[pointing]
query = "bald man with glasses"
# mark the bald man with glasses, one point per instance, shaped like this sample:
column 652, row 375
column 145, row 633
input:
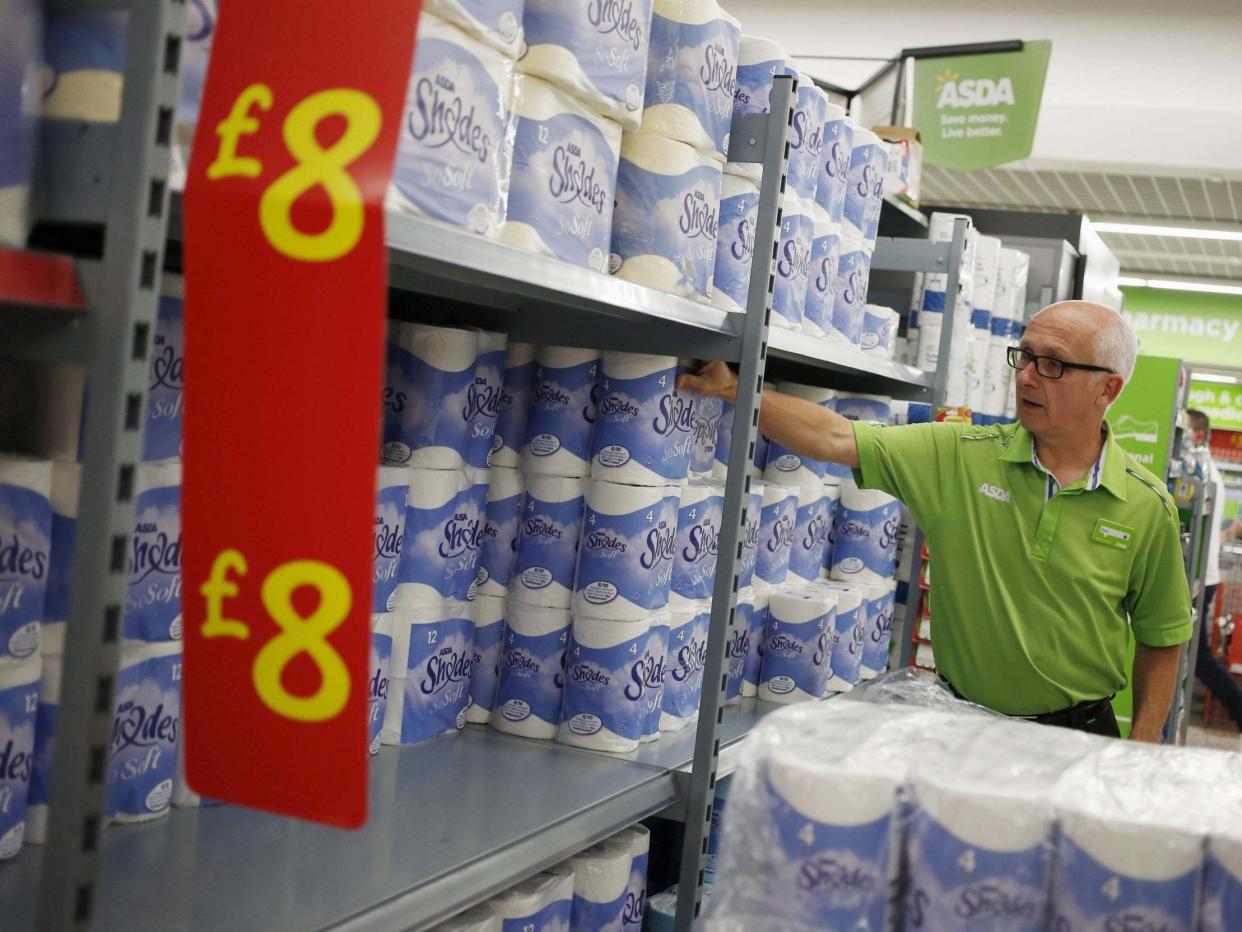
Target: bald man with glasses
column 1051, row 544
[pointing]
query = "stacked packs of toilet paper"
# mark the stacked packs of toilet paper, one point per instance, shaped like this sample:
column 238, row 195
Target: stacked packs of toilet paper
column 929, row 296
column 19, row 110
column 979, row 345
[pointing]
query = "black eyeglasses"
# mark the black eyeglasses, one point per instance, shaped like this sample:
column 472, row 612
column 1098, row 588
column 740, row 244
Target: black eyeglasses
column 1047, row 366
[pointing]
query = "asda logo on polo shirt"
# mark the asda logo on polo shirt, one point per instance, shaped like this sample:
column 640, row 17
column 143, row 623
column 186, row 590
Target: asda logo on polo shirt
column 994, row 491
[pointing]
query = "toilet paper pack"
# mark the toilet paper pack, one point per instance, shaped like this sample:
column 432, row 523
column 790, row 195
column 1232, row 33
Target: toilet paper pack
column 19, row 703
column 392, row 489
column 66, row 480
column 478, row 918
column 547, row 545
column 153, row 596
column 1222, row 868
column 161, row 438
column 810, row 537
column 432, row 688
column 498, row 23
column 427, row 395
column 738, row 647
column 626, row 553
column 866, row 530
column 806, row 138
column 687, row 653
column 759, row 60
column 704, row 429
column 691, row 74
column 380, row 667
column 751, row 523
column 821, row 274
column 834, row 163
column 444, row 523
column 832, row 498
column 879, row 325
column 665, row 222
column 561, row 190
column 25, row 553
column 532, row 670
column 561, row 413
column 864, row 187
column 760, row 596
column 724, row 441
column 797, row 647
column 784, row 466
column 542, row 903
column 735, row 243
column 700, row 517
column 643, row 424
column 40, row 791
column 881, row 603
column 489, row 630
column 601, row 883
column 859, row 407
column 456, row 137
column 602, row 708
column 776, row 528
column 636, row 893
column 146, row 726
column 510, row 430
column 655, row 673
column 19, row 90
column 483, row 397
column 506, row 496
column 847, row 647
column 927, row 353
column 84, row 57
column 712, row 855
column 596, row 51
column 849, row 290
column 793, row 261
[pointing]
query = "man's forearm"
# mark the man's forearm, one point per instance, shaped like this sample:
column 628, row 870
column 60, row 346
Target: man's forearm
column 808, row 429
column 1155, row 678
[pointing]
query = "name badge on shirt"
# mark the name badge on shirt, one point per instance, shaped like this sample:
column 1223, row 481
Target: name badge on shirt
column 1112, row 534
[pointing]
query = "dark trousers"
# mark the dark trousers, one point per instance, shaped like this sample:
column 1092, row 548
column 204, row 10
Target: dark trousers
column 1210, row 671
column 1094, row 718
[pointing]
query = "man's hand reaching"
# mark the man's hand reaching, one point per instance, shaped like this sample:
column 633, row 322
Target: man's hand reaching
column 715, row 379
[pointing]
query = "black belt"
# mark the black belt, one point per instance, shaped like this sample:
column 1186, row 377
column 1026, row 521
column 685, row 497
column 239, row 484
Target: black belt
column 1074, row 717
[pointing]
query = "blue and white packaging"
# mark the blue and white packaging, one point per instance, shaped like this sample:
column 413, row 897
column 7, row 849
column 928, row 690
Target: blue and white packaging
column 532, row 671
column 927, row 350
column 940, row 230
column 19, row 110
column 596, row 51
column 911, row 412
column 655, row 674
column 759, row 60
column 847, row 647
column 806, row 138
column 704, row 429
column 784, row 466
column 700, row 518
column 153, row 598
column 542, row 903
column 724, row 440
column 865, row 538
column 547, row 545
column 1222, row 881
column 735, row 242
column 626, row 552
column 25, row 553
column 605, row 685
column 881, row 602
column 428, row 695
column 200, row 28
column 687, row 652
column 19, row 704
column 864, row 188
column 719, row 802
column 377, row 685
column 855, row 406
column 822, row 274
column 489, row 630
column 834, row 163
column 797, row 645
column 146, row 726
column 636, row 893
column 811, row 532
column 832, row 495
column 498, row 23
column 564, row 175
column 444, row 523
column 561, row 413
column 849, row 291
column 760, row 596
column 738, row 648
column 456, row 137
column 84, row 57
column 392, row 489
column 506, row 498
column 793, row 261
column 691, row 74
column 510, row 431
column 601, row 883
column 427, row 395
column 878, row 330
column 995, row 385
column 66, row 479
column 751, row 523
column 51, row 650
column 776, row 528
column 483, row 398
column 665, row 223
column 161, row 438
column 643, row 425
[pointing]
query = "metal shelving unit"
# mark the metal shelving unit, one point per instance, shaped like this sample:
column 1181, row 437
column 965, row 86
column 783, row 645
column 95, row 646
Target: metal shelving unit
column 1195, row 499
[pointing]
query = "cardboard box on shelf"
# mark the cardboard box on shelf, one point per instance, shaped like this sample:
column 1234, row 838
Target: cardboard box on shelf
column 905, row 162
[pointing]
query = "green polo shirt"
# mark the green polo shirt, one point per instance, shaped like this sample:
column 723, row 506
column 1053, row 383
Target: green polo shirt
column 1034, row 587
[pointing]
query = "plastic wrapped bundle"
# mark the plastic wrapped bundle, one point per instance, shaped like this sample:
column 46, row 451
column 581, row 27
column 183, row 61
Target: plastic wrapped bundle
column 917, row 688
column 1222, row 869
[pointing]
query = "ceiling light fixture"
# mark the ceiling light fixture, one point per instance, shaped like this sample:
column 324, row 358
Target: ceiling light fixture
column 1172, row 285
column 1145, row 229
column 1214, row 378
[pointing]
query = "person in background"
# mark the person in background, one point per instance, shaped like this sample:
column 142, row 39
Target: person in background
column 1052, row 544
column 1213, row 674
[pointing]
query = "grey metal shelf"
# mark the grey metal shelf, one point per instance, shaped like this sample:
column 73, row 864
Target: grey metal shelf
column 894, row 206
column 869, row 372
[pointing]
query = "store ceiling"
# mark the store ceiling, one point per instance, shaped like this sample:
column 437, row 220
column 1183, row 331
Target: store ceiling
column 1138, row 198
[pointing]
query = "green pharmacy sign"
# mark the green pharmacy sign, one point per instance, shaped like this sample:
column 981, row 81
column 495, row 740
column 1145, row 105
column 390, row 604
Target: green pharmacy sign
column 1221, row 403
column 977, row 111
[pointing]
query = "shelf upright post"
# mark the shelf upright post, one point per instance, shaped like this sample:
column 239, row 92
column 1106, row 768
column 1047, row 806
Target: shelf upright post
column 761, row 138
column 1201, row 505
column 120, row 323
column 957, row 247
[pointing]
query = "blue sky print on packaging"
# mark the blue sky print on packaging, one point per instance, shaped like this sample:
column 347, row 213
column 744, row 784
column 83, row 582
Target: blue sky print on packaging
column 625, row 561
column 753, row 85
column 849, row 292
column 806, row 138
column 485, row 668
column 45, row 741
column 704, row 428
column 697, row 547
column 636, row 893
column 864, row 187
column 605, row 686
column 821, row 279
column 758, row 619
column 878, row 630
column 687, row 652
column 161, row 439
column 18, row 707
column 863, row 408
column 865, row 544
column 738, row 648
column 440, row 547
column 750, row 539
column 735, row 245
column 834, row 166
column 655, row 674
column 645, row 421
column 389, row 534
column 532, row 675
column 547, row 547
column 25, row 565
column 451, row 152
column 847, row 649
column 510, row 430
column 500, row 532
column 798, row 656
column 793, row 264
column 496, row 22
column 483, row 399
column 437, row 682
column 153, row 599
column 788, row 463
column 424, row 406
column 776, row 528
column 377, row 687
column 834, row 505
column 145, row 728
column 1222, row 895
column 562, row 410
column 806, row 554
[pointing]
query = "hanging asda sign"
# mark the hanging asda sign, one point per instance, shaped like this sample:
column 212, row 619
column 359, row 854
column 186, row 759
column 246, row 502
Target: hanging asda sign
column 977, row 111
column 1221, row 403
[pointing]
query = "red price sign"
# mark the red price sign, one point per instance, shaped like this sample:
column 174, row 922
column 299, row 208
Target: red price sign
column 286, row 299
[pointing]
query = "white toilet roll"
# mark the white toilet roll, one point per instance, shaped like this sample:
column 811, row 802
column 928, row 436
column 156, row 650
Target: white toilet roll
column 793, row 261
column 760, row 595
column 601, row 882
column 84, row 58
column 561, row 190
column 878, row 628
column 19, row 703
column 832, row 498
column 849, row 291
column 142, row 761
column 44, row 723
column 547, row 543
column 691, row 72
column 822, row 273
column 879, row 326
column 153, row 597
column 738, row 646
column 811, row 530
column 483, row 397
column 26, row 537
column 834, row 163
column 430, row 376
column 380, row 669
column 66, row 479
column 161, row 438
column 687, row 652
column 506, row 494
column 636, row 894
column 602, row 708
column 751, row 523
column 597, row 52
column 864, row 187
column 20, row 88
column 489, row 629
column 497, row 23
column 806, row 138
column 431, row 698
column 444, row 523
column 704, row 431
column 532, row 665
column 865, row 538
column 392, row 486
column 561, row 412
column 1222, row 879
column 540, row 902
column 987, row 267
column 445, row 168
column 860, row 407
column 665, row 223
column 927, row 356
column 700, row 515
column 510, row 431
column 626, row 552
column 847, row 647
column 643, row 424
column 654, row 674
column 758, row 61
column 797, row 646
column 784, row 466
column 776, row 528
column 735, row 244
column 476, row 919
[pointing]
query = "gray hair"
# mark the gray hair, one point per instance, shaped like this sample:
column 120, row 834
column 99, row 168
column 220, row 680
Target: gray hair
column 1116, row 344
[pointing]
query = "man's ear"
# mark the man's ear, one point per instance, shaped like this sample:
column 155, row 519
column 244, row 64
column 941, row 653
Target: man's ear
column 1113, row 384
